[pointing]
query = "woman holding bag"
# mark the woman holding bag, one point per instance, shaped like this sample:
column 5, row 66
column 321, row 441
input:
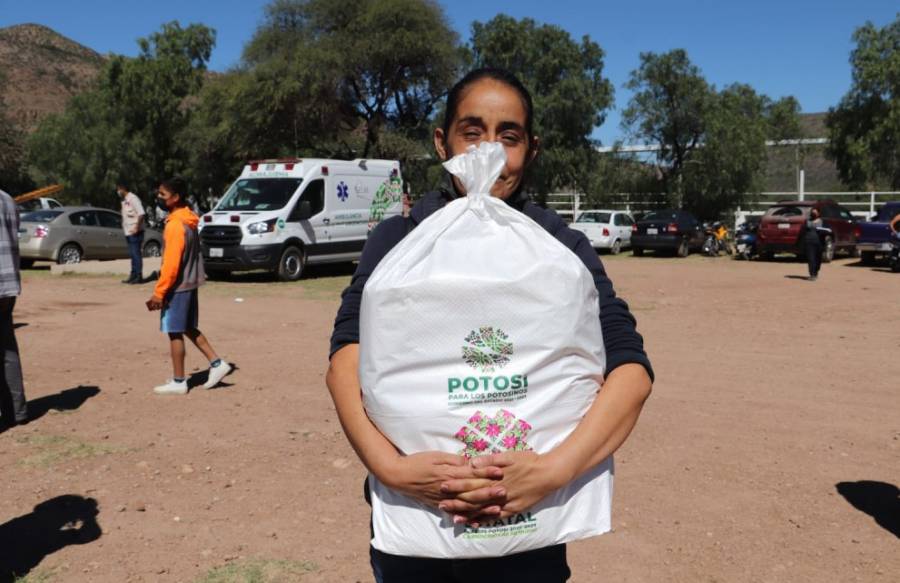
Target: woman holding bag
column 489, row 105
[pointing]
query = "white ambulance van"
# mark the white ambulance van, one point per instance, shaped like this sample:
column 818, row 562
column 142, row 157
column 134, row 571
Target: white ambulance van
column 282, row 215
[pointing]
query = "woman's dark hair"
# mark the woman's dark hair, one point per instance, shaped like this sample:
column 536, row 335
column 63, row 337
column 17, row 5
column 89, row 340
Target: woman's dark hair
column 176, row 185
column 503, row 76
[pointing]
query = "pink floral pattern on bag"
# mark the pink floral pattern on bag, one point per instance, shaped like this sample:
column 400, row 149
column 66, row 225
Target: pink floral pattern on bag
column 502, row 432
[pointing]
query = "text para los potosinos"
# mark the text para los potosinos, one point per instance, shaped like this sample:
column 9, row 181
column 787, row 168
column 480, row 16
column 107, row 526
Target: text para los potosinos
column 487, row 389
column 517, row 525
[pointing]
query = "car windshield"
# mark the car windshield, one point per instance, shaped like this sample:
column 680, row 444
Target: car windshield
column 661, row 216
column 40, row 216
column 785, row 211
column 259, row 194
column 593, row 218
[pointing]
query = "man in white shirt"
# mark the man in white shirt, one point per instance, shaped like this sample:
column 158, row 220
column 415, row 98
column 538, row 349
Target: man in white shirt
column 133, row 225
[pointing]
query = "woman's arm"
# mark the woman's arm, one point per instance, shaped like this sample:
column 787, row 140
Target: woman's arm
column 529, row 477
column 419, row 475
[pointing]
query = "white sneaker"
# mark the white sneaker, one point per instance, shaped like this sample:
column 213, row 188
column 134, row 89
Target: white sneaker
column 216, row 374
column 172, row 388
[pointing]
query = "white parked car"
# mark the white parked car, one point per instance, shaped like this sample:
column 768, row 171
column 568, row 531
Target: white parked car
column 605, row 229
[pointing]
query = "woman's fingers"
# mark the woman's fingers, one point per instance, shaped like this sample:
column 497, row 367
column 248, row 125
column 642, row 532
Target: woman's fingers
column 495, row 459
column 453, row 488
column 490, row 473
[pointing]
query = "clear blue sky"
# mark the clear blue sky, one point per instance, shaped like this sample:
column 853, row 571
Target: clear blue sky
column 784, row 47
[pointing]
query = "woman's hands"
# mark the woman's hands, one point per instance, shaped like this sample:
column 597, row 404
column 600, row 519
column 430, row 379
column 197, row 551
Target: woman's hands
column 526, row 479
column 421, row 476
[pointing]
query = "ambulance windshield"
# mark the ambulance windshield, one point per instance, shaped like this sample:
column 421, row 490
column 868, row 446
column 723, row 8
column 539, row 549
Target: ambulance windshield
column 259, row 194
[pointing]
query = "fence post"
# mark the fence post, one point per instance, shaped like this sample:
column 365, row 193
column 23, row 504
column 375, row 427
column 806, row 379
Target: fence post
column 802, row 193
column 871, row 204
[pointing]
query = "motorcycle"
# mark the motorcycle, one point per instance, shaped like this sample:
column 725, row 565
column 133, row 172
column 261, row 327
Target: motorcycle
column 716, row 240
column 745, row 241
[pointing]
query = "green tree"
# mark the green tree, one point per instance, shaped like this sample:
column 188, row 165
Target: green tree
column 330, row 79
column 865, row 126
column 728, row 168
column 13, row 178
column 566, row 82
column 129, row 124
column 668, row 108
column 712, row 150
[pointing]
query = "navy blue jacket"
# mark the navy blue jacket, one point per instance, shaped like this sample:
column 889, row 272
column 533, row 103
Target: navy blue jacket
column 620, row 338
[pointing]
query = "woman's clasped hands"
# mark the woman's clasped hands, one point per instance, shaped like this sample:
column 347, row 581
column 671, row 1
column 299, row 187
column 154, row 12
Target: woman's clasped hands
column 477, row 490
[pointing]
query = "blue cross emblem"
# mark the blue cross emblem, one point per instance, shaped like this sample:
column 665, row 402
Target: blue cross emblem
column 342, row 191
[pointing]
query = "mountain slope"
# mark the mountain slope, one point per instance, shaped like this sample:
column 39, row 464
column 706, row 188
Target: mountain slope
column 41, row 70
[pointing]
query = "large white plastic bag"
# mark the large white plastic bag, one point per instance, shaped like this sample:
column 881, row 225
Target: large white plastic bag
column 480, row 332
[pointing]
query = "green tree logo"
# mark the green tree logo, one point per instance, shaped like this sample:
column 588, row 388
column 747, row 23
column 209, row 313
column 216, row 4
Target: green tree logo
column 487, row 349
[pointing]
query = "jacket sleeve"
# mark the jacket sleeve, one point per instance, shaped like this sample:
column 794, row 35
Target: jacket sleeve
column 173, row 243
column 382, row 239
column 621, row 340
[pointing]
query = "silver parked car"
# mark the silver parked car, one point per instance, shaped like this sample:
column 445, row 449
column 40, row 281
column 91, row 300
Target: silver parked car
column 70, row 234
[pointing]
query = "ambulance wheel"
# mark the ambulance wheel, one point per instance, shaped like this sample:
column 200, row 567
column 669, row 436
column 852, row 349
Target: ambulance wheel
column 292, row 264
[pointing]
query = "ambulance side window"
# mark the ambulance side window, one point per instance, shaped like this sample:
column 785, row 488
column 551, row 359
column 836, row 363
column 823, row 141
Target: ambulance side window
column 315, row 195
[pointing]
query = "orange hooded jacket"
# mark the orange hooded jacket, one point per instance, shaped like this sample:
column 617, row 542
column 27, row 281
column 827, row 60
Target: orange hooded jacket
column 182, row 264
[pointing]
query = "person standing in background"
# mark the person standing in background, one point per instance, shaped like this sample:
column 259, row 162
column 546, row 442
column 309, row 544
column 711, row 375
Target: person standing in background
column 10, row 288
column 133, row 225
column 813, row 244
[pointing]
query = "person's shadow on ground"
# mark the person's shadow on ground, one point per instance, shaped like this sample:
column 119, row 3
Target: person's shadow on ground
column 67, row 400
column 879, row 500
column 54, row 524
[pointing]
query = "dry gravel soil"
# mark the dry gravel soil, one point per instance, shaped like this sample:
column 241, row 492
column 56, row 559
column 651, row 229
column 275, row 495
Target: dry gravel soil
column 769, row 450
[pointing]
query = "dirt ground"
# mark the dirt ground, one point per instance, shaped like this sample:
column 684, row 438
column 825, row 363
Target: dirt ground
column 769, row 450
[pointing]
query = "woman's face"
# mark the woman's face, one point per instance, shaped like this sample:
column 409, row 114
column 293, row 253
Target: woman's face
column 490, row 111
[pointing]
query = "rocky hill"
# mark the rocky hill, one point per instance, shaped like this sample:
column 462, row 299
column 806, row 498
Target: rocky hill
column 40, row 70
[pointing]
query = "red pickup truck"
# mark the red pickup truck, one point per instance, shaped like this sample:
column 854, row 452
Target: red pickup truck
column 781, row 228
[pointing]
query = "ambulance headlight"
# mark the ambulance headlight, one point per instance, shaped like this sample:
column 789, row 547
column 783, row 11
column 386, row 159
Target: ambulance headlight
column 261, row 227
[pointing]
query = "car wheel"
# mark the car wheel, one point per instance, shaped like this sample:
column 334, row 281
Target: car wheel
column 828, row 250
column 616, row 247
column 292, row 264
column 867, row 257
column 69, row 253
column 637, row 251
column 152, row 249
column 26, row 263
column 683, row 249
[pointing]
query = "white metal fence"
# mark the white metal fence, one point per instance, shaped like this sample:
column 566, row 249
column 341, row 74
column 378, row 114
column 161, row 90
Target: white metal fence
column 862, row 204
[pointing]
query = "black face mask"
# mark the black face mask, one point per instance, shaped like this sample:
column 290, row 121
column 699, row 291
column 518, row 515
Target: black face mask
column 161, row 204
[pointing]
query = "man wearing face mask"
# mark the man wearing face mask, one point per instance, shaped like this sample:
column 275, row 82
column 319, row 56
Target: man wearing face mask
column 133, row 225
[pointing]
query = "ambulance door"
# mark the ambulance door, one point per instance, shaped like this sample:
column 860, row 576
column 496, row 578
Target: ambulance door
column 348, row 213
column 307, row 220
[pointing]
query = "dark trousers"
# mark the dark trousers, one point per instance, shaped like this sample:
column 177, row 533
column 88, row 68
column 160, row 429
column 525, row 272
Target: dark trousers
column 135, row 249
column 813, row 257
column 13, row 391
column 547, row 565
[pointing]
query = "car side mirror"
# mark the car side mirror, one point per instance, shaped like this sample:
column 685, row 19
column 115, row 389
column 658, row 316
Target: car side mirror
column 305, row 211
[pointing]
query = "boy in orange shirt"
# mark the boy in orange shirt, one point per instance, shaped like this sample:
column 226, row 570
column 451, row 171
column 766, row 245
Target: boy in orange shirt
column 180, row 275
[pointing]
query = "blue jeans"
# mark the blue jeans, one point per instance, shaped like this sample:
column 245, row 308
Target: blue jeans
column 135, row 250
column 547, row 565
